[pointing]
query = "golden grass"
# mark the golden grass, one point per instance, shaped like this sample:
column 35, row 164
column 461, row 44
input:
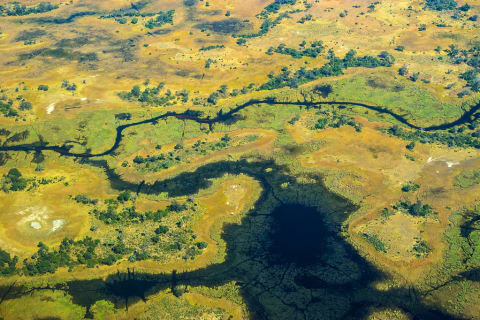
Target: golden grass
column 370, row 167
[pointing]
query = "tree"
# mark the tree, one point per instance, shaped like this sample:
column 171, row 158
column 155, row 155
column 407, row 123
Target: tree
column 403, row 71
column 135, row 91
column 387, row 57
column 226, row 138
column 14, row 173
column 440, row 5
column 161, row 230
column 213, row 98
column 14, row 177
column 465, row 7
column 350, row 54
column 124, row 196
column 201, row 245
column 109, row 260
column 25, row 105
column 323, row 89
column 223, row 89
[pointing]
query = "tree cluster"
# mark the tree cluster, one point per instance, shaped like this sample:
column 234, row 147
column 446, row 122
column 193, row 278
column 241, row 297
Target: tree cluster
column 440, row 5
column 315, row 49
column 455, row 137
column 334, row 67
column 151, row 96
column 13, row 181
column 417, row 209
column 161, row 19
column 17, row 9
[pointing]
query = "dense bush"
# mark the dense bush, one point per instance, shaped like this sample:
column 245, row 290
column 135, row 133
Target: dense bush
column 68, row 254
column 161, row 19
column 7, row 110
column 417, row 209
column 7, row 263
column 453, row 137
column 81, row 198
column 13, row 181
column 264, row 28
column 218, row 46
column 17, row 9
column 334, row 67
column 151, row 96
column 313, row 51
column 275, row 6
column 441, row 4
column 410, row 186
column 375, row 241
column 25, row 105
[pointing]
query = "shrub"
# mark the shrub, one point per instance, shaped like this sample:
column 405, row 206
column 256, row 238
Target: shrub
column 410, row 186
column 25, row 105
column 201, row 245
column 161, row 230
column 241, row 41
column 124, row 196
column 440, row 5
column 375, row 241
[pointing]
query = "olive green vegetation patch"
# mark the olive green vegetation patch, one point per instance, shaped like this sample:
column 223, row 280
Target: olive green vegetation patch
column 461, row 256
column 42, row 305
column 396, row 93
column 467, row 179
column 167, row 306
column 263, row 116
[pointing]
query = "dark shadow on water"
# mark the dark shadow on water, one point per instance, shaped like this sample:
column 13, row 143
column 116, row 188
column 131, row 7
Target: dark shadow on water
column 298, row 235
column 287, row 255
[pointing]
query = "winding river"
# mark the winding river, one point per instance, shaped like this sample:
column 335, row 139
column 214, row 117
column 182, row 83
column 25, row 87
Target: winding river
column 467, row 117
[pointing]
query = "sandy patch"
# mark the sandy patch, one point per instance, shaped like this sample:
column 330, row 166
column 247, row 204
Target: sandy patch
column 447, row 162
column 57, row 224
column 399, row 233
column 35, row 225
column 50, row 108
column 38, row 218
column 234, row 193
